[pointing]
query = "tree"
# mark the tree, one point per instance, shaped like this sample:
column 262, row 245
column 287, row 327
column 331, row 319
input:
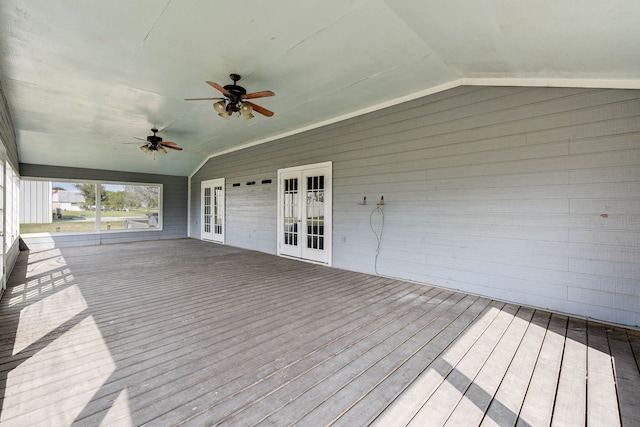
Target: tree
column 116, row 199
column 145, row 196
column 89, row 192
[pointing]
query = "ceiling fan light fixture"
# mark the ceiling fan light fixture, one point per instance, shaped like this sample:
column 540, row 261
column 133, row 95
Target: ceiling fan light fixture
column 161, row 150
column 220, row 107
column 146, row 149
column 245, row 111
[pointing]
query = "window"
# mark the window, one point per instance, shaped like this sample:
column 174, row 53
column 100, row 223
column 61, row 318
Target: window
column 11, row 207
column 83, row 207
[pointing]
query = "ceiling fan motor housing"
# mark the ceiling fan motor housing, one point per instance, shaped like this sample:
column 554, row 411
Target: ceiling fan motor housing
column 153, row 139
column 235, row 94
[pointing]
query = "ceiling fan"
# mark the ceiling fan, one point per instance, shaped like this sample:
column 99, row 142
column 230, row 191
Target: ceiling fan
column 155, row 143
column 235, row 100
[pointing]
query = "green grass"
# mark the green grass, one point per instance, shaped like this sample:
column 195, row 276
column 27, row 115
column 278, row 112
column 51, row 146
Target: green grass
column 76, row 222
column 111, row 214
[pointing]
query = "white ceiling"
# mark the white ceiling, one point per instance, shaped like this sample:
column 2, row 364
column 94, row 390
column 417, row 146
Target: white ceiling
column 83, row 78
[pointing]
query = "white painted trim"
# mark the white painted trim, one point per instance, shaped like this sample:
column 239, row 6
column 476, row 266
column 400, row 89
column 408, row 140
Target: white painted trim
column 189, row 207
column 290, row 173
column 311, row 166
column 328, row 242
column 472, row 81
column 212, row 183
column 552, row 82
column 195, row 171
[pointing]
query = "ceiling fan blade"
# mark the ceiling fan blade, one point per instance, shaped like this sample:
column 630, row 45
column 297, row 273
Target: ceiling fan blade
column 141, row 139
column 262, row 94
column 220, row 88
column 261, row 110
column 168, row 143
column 173, row 147
column 202, row 99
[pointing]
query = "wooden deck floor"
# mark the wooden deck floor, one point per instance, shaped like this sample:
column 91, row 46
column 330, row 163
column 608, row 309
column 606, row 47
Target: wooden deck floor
column 184, row 332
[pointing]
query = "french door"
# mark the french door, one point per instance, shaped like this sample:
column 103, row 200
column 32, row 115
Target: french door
column 3, row 237
column 213, row 210
column 304, row 212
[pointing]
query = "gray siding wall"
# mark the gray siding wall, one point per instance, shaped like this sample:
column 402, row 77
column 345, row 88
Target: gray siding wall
column 530, row 195
column 174, row 201
column 8, row 139
column 7, row 133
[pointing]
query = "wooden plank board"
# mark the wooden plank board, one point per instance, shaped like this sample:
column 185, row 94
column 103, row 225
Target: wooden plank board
column 308, row 351
column 342, row 400
column 480, row 392
column 248, row 355
column 410, row 402
column 602, row 399
column 537, row 407
column 374, row 391
column 392, row 388
column 303, row 390
column 634, row 340
column 183, row 331
column 450, row 391
column 571, row 397
column 627, row 376
column 506, row 404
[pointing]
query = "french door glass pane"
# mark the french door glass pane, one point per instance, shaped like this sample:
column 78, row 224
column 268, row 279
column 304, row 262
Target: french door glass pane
column 315, row 212
column 217, row 205
column 291, row 210
column 207, row 209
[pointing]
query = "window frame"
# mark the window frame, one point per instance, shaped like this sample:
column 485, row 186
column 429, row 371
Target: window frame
column 98, row 210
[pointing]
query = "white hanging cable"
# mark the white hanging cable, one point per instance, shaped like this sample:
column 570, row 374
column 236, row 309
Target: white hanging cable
column 378, row 236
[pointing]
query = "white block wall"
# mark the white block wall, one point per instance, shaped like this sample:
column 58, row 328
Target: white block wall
column 35, row 202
